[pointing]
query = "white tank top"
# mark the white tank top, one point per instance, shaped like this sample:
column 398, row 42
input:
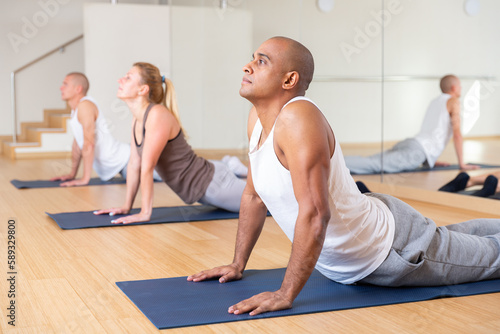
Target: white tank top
column 110, row 155
column 361, row 229
column 436, row 130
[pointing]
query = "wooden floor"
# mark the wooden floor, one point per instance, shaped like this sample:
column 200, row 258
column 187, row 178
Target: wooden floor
column 65, row 280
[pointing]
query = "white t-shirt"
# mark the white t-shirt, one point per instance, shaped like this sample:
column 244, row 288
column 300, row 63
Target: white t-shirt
column 361, row 228
column 110, row 155
column 436, row 130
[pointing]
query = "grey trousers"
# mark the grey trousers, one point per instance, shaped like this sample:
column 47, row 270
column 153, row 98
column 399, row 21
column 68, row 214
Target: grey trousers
column 423, row 254
column 405, row 155
column 225, row 189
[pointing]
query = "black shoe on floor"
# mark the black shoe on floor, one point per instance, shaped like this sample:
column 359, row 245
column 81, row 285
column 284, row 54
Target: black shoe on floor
column 489, row 187
column 457, row 184
column 362, row 187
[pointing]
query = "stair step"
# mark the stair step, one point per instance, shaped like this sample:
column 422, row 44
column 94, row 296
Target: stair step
column 9, row 148
column 53, row 130
column 34, row 134
column 23, row 144
column 58, row 120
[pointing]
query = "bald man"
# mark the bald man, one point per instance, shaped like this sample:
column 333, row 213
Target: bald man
column 93, row 142
column 441, row 123
column 297, row 172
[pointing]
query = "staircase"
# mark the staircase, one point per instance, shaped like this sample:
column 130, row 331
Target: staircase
column 50, row 138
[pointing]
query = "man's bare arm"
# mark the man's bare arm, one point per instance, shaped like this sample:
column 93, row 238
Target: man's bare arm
column 453, row 106
column 87, row 116
column 76, row 156
column 304, row 144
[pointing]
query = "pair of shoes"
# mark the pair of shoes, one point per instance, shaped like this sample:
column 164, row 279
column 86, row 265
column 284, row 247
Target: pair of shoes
column 457, row 184
column 235, row 165
column 489, row 187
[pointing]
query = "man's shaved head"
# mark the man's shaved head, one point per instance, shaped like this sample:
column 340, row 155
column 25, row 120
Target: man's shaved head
column 297, row 58
column 79, row 79
column 447, row 82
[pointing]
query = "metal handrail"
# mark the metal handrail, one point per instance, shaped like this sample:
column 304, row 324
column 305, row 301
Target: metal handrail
column 13, row 80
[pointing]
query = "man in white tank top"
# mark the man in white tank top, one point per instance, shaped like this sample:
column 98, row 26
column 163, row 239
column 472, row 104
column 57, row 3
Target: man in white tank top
column 440, row 124
column 297, row 172
column 93, row 142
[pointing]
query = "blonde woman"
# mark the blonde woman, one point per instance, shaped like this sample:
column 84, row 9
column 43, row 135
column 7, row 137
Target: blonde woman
column 158, row 142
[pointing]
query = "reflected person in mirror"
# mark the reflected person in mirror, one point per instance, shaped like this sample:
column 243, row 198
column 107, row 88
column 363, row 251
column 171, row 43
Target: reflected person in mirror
column 441, row 123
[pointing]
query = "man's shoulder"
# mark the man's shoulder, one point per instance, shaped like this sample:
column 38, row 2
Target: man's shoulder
column 299, row 109
column 87, row 103
column 87, row 109
column 453, row 104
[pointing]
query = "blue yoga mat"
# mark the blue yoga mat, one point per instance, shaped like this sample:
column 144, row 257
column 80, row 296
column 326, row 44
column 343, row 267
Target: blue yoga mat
column 175, row 302
column 173, row 214
column 56, row 184
column 470, row 192
column 428, row 169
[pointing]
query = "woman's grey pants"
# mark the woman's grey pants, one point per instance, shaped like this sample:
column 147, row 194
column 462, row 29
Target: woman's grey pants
column 225, row 189
column 423, row 254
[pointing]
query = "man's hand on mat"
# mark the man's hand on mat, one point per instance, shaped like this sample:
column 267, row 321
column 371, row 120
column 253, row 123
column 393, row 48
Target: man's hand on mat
column 225, row 274
column 74, row 183
column 441, row 164
column 468, row 167
column 261, row 303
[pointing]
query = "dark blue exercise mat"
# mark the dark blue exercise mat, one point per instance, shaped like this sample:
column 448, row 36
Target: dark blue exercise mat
column 173, row 214
column 56, row 184
column 428, row 169
column 175, row 302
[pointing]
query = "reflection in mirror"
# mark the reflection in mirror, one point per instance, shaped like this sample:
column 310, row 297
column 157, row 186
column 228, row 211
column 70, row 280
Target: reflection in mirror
column 417, row 55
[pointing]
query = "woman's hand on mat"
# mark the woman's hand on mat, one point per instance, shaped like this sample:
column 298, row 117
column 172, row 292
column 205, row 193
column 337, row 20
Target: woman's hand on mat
column 261, row 303
column 137, row 218
column 112, row 211
column 224, row 273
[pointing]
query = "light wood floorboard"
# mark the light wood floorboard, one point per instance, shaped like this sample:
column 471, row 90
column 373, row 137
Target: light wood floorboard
column 66, row 279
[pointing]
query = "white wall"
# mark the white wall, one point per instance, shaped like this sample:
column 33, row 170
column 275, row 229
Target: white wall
column 30, row 29
column 205, row 66
column 113, row 42
column 422, row 37
column 209, row 49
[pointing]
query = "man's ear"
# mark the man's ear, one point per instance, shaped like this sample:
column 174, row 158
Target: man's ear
column 291, row 80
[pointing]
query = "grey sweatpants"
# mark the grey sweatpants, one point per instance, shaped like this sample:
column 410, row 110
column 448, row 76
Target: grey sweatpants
column 405, row 155
column 423, row 254
column 225, row 189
